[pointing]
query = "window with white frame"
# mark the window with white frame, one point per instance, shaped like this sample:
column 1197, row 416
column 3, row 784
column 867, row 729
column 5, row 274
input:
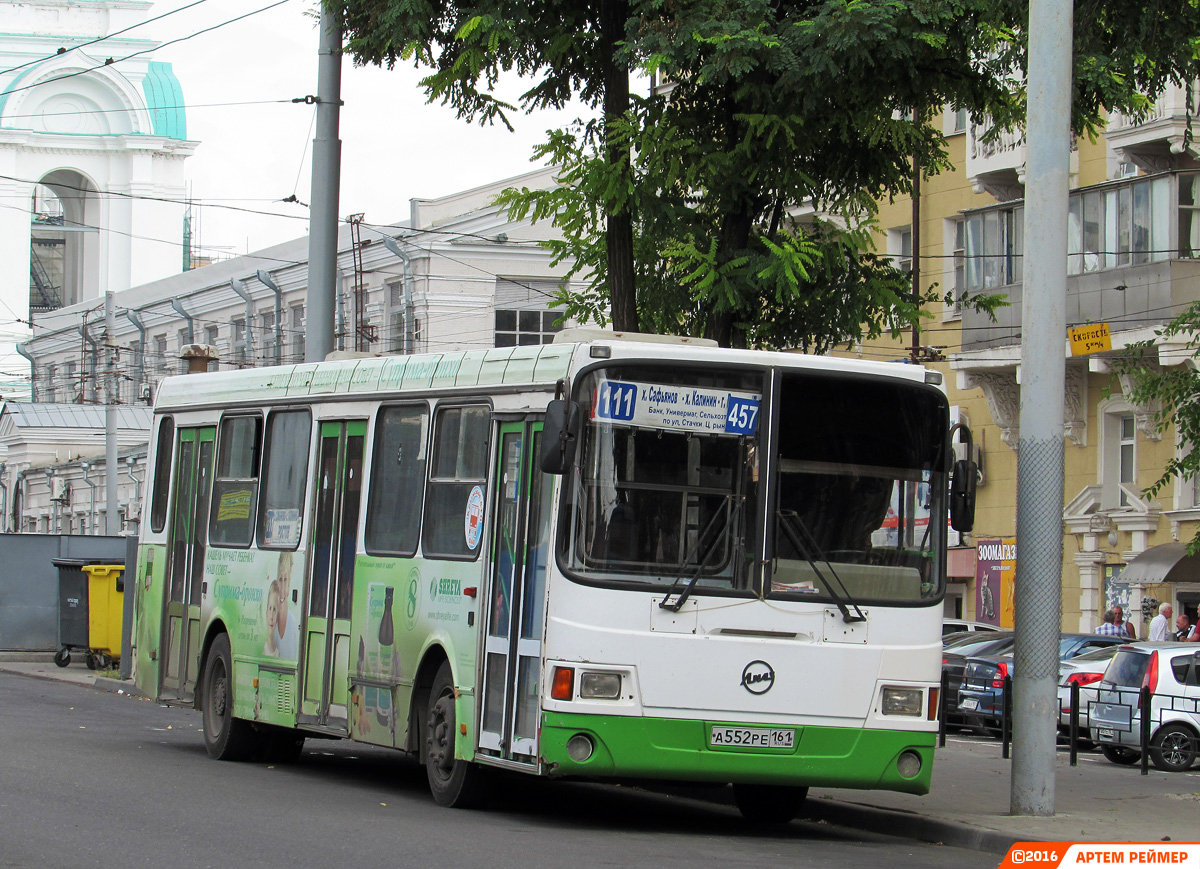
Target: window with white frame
column 524, row 311
column 1128, row 455
column 182, row 365
column 954, row 120
column 1189, row 216
column 900, row 247
column 1118, row 452
column 994, row 244
column 160, row 353
column 1120, row 225
column 239, row 341
column 955, row 240
column 521, row 328
column 297, row 328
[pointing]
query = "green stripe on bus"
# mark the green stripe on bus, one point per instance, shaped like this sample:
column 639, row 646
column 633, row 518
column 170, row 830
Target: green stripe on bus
column 677, row 749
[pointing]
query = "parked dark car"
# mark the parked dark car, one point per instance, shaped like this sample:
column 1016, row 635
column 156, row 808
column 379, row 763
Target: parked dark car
column 981, row 692
column 954, row 658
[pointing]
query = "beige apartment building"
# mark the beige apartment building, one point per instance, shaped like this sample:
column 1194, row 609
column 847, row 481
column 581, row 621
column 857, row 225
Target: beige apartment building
column 1134, row 264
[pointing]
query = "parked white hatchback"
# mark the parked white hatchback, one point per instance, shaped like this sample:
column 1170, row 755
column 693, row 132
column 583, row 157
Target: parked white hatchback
column 1172, row 673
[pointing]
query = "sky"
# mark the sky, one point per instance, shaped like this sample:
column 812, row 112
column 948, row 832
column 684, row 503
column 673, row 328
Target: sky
column 256, row 146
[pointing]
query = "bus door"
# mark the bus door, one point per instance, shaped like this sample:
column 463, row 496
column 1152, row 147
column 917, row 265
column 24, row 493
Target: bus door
column 185, row 560
column 326, row 631
column 516, row 595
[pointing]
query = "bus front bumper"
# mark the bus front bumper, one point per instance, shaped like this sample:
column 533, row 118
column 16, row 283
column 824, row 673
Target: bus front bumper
column 680, row 750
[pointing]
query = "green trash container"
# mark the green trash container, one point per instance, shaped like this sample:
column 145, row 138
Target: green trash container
column 106, row 595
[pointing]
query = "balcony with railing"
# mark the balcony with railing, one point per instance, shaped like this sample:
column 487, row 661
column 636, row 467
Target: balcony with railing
column 996, row 161
column 1156, row 140
column 1133, row 257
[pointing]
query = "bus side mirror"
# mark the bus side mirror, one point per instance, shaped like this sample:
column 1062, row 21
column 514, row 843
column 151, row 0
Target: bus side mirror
column 559, row 434
column 964, row 477
column 962, row 495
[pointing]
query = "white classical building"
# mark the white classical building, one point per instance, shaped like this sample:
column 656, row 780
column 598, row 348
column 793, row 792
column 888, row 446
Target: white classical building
column 93, row 140
column 458, row 274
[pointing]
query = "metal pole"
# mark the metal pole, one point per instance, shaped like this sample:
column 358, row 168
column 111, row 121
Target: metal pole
column 111, row 525
column 326, row 169
column 1038, row 616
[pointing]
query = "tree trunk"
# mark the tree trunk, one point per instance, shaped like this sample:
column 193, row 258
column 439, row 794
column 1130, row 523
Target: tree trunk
column 619, row 221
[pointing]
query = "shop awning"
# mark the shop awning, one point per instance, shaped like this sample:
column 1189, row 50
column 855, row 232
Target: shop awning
column 1166, row 563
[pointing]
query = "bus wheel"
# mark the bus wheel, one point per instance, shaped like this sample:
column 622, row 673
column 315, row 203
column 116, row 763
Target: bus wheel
column 769, row 804
column 454, row 783
column 225, row 737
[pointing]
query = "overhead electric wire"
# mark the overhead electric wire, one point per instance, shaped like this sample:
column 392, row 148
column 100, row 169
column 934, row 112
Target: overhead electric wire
column 113, row 61
column 63, row 51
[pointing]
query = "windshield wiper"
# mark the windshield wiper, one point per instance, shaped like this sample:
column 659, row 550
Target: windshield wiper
column 807, row 546
column 730, row 514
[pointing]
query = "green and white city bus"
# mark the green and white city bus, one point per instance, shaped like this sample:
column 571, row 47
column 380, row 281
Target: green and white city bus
column 601, row 557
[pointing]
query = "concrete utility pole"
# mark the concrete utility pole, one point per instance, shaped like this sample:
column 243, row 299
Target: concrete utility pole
column 326, row 181
column 1038, row 616
column 111, row 524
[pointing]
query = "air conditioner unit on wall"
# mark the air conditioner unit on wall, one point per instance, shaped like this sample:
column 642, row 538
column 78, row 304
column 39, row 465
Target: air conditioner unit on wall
column 62, row 491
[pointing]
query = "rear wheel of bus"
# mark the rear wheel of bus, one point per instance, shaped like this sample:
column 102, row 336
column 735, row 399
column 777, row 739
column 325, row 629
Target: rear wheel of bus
column 225, row 737
column 454, row 783
column 769, row 804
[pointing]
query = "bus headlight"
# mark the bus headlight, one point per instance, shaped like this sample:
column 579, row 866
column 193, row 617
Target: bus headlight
column 903, row 701
column 599, row 686
column 908, row 764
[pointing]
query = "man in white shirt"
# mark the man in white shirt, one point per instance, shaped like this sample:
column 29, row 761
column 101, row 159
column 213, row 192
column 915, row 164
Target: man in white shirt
column 1160, row 625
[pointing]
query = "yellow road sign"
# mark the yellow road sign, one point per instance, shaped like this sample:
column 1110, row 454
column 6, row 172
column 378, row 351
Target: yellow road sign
column 1092, row 338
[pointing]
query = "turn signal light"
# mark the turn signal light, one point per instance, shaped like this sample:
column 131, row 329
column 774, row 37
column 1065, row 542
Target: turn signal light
column 561, row 688
column 934, row 707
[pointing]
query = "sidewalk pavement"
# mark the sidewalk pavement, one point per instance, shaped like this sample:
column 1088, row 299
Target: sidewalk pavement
column 968, row 805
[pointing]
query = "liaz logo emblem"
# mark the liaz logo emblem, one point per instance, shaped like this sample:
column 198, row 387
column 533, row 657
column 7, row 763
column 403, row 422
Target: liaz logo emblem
column 758, row 677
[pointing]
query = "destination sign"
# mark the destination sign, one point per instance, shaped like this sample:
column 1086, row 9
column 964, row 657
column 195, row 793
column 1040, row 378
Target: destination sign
column 676, row 408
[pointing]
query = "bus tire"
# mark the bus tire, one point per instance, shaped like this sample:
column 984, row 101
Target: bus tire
column 225, row 737
column 454, row 783
column 769, row 804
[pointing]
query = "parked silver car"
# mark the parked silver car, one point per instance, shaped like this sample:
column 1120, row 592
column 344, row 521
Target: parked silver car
column 1086, row 671
column 1172, row 673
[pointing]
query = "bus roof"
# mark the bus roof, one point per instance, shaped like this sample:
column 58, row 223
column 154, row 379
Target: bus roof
column 542, row 365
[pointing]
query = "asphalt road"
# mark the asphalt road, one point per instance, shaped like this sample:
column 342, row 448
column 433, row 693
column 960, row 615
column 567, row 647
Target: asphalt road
column 89, row 778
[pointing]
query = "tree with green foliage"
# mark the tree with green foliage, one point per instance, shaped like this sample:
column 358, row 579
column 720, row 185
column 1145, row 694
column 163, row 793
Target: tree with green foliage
column 771, row 109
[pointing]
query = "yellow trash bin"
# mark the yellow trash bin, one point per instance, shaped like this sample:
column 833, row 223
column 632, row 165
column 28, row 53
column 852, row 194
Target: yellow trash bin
column 106, row 595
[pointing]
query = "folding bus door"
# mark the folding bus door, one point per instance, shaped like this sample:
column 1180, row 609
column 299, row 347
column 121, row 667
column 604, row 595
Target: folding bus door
column 516, row 596
column 326, row 655
column 188, row 539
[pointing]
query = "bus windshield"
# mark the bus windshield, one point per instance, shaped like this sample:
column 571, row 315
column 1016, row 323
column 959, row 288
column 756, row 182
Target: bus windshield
column 666, row 485
column 859, row 477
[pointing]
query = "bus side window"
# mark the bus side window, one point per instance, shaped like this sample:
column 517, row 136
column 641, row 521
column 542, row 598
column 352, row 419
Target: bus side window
column 285, row 478
column 397, row 481
column 456, row 482
column 162, row 474
column 235, row 488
